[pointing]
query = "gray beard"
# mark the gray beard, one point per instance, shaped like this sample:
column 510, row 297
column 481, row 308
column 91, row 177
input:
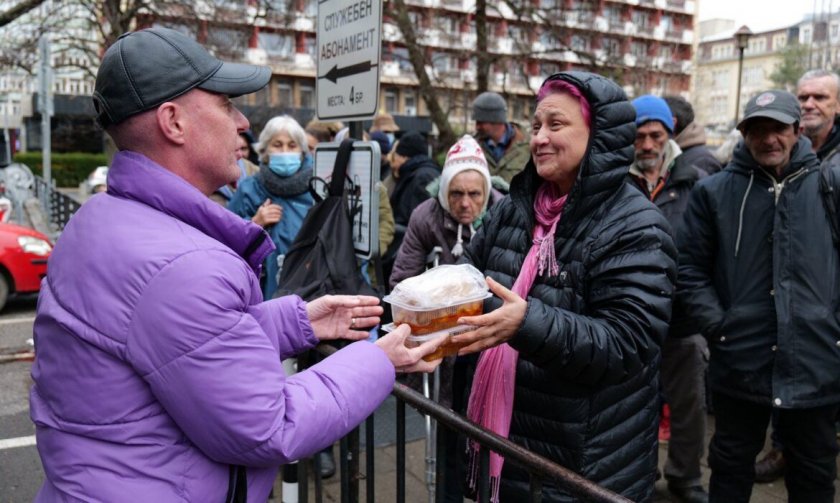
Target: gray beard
column 647, row 165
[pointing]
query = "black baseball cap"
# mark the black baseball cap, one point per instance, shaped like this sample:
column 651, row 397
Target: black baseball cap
column 774, row 104
column 145, row 68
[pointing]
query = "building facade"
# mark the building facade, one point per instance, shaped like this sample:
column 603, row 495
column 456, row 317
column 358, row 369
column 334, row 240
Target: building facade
column 646, row 45
column 716, row 77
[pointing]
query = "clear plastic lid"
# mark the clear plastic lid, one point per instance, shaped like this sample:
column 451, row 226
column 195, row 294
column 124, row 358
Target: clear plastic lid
column 442, row 286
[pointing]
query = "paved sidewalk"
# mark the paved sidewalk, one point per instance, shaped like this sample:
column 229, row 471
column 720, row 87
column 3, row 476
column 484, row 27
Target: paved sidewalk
column 416, row 491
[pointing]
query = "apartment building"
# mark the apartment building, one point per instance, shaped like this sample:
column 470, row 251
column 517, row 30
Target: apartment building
column 716, row 84
column 646, row 45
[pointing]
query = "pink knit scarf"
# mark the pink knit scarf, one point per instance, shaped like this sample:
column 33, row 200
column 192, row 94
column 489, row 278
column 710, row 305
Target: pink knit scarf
column 491, row 397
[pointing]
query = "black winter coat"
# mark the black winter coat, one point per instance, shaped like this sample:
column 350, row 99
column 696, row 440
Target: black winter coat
column 588, row 370
column 761, row 277
column 672, row 201
column 415, row 174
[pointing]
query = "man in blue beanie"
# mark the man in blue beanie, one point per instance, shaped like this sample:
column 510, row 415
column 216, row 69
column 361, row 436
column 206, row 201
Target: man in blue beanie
column 506, row 146
column 658, row 171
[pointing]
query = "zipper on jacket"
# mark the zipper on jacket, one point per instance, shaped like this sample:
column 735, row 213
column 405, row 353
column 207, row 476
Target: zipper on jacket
column 779, row 186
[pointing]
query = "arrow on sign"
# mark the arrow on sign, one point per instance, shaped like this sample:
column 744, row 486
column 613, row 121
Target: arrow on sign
column 336, row 73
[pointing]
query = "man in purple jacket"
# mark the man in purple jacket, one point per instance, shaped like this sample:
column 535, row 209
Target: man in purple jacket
column 158, row 376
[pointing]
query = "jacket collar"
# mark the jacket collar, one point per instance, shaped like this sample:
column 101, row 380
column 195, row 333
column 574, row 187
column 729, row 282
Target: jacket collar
column 832, row 142
column 135, row 177
column 801, row 156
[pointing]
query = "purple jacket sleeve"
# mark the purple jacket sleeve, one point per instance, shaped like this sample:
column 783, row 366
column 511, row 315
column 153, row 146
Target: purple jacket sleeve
column 215, row 369
column 285, row 322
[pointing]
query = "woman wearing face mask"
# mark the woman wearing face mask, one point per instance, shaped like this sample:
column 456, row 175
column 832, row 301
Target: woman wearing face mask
column 277, row 197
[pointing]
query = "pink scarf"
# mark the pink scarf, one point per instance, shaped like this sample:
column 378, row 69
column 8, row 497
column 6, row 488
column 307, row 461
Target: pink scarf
column 491, row 397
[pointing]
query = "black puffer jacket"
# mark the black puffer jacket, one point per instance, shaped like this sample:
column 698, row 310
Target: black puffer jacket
column 761, row 277
column 587, row 376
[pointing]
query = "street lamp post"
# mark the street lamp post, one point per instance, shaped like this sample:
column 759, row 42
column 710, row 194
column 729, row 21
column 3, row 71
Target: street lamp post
column 742, row 38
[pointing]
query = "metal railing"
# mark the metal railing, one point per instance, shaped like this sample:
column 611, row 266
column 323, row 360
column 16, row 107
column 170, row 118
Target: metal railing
column 58, row 207
column 539, row 468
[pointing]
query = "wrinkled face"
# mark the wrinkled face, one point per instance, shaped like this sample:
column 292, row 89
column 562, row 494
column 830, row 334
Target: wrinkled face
column 213, row 137
column 466, row 196
column 818, row 102
column 559, row 138
column 651, row 138
column 770, row 142
column 493, row 130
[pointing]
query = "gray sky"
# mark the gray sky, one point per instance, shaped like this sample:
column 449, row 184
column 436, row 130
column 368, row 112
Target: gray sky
column 763, row 14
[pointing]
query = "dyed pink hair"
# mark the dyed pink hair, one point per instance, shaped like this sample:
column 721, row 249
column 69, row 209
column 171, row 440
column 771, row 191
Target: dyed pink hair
column 561, row 86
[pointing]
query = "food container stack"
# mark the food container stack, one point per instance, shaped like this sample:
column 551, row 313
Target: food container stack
column 432, row 303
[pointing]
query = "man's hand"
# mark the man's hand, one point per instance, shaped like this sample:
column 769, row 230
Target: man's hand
column 343, row 316
column 409, row 359
column 496, row 327
column 268, row 214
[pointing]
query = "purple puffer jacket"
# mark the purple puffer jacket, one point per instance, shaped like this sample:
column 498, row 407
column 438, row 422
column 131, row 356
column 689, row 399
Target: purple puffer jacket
column 158, row 363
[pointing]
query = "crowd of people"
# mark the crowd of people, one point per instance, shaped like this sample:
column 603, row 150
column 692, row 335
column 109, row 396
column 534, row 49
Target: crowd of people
column 637, row 280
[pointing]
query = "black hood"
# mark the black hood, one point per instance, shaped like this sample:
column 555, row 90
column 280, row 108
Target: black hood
column 801, row 155
column 608, row 155
column 833, row 140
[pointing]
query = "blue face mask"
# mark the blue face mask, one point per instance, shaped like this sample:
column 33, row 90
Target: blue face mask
column 285, row 164
column 391, row 138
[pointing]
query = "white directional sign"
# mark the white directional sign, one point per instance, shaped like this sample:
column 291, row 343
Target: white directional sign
column 349, row 43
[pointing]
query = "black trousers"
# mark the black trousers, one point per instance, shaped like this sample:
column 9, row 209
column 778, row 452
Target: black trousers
column 810, row 448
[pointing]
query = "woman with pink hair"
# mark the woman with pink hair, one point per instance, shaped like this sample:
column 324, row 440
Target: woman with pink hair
column 582, row 267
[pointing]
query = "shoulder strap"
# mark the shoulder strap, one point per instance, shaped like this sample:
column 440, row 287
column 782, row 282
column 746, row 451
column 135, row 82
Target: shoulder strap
column 342, row 159
column 829, row 200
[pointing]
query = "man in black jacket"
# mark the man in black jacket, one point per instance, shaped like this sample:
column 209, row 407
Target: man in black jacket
column 660, row 172
column 758, row 274
column 690, row 136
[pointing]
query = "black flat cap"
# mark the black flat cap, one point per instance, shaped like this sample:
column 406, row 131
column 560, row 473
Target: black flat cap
column 148, row 67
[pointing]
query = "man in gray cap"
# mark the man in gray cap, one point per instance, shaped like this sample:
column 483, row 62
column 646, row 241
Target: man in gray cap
column 159, row 373
column 758, row 274
column 505, row 144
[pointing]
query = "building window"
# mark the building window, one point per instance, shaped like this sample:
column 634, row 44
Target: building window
column 307, row 97
column 391, row 101
column 638, row 49
column 580, row 43
column 284, row 94
column 276, row 44
column 612, row 47
column 640, row 19
column 410, row 103
column 720, row 79
column 806, row 35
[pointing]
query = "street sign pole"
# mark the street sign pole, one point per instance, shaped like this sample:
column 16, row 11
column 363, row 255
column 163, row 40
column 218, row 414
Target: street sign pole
column 45, row 103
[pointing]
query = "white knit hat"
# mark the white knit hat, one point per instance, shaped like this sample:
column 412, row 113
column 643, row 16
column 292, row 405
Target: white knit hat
column 464, row 155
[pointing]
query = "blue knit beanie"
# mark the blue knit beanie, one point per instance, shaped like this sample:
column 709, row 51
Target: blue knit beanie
column 653, row 108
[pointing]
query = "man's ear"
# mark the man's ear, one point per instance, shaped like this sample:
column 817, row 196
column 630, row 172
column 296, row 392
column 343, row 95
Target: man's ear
column 170, row 120
column 676, row 122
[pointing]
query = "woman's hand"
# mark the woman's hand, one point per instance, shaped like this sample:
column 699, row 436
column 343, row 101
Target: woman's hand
column 267, row 214
column 496, row 327
column 409, row 359
column 343, row 316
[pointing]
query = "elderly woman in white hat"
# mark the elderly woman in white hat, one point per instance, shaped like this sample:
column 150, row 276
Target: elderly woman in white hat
column 460, row 198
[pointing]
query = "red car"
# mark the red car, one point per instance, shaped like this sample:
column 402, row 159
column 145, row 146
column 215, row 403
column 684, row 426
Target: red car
column 23, row 260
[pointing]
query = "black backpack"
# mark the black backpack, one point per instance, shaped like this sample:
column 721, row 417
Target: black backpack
column 322, row 259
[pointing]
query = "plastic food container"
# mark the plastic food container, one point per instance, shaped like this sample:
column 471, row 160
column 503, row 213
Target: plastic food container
column 434, row 300
column 447, row 348
column 430, row 320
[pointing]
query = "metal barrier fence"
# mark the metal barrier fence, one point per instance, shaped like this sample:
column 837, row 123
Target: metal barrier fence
column 539, row 468
column 58, row 207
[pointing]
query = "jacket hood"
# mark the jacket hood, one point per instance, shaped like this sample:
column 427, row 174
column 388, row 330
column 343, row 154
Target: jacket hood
column 608, row 155
column 801, row 155
column 691, row 136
